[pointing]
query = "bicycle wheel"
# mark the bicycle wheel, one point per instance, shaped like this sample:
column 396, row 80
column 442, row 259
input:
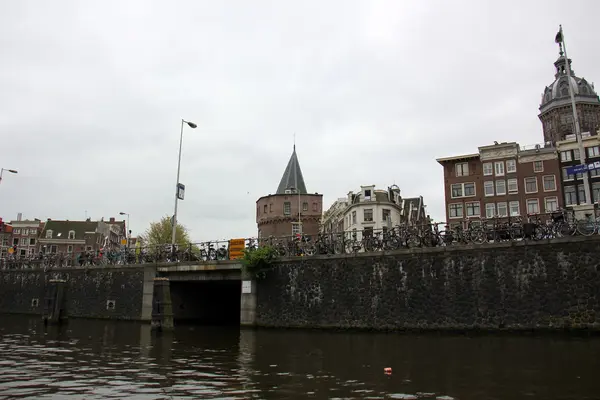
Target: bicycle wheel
column 586, row 227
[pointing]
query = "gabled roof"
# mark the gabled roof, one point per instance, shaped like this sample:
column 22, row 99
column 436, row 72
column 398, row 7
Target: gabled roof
column 60, row 229
column 292, row 176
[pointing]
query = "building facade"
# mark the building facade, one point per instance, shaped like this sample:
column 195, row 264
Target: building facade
column 70, row 237
column 501, row 180
column 25, row 235
column 372, row 210
column 556, row 113
column 572, row 185
column 291, row 210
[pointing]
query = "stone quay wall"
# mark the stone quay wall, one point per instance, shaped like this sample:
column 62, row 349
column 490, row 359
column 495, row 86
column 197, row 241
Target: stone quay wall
column 106, row 292
column 550, row 285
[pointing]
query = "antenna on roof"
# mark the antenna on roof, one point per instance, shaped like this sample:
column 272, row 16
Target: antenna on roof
column 294, row 141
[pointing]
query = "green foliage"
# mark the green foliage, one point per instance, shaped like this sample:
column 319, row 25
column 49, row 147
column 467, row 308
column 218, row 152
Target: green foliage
column 256, row 262
column 160, row 233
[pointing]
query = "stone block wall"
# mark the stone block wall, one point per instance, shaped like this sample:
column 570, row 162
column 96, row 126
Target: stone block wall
column 88, row 291
column 542, row 285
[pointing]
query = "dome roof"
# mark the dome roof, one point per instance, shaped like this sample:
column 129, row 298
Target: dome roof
column 559, row 89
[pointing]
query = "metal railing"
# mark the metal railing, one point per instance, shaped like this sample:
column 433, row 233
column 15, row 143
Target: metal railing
column 468, row 232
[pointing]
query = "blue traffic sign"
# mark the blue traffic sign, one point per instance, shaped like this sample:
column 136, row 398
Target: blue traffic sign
column 579, row 169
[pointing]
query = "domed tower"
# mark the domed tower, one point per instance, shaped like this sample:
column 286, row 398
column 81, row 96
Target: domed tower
column 556, row 112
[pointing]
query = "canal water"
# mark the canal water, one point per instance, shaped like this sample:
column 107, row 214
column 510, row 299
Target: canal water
column 120, row 360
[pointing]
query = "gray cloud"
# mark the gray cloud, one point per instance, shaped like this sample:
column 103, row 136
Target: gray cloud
column 92, row 95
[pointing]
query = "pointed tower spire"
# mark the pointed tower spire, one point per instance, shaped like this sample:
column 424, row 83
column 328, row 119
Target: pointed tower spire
column 292, row 178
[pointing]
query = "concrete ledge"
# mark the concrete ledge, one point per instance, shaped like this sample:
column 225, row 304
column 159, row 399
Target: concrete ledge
column 231, row 265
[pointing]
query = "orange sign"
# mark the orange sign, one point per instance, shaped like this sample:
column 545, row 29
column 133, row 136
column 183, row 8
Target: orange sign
column 236, row 248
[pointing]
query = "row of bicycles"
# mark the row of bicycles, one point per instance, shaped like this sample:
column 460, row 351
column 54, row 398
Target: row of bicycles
column 500, row 229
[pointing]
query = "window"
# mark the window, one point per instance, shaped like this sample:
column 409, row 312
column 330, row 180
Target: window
column 24, row 241
column 53, row 249
column 296, row 228
column 593, row 151
column 581, row 194
column 533, row 206
column 490, row 210
column 538, row 166
column 594, row 172
column 469, row 189
column 514, row 208
column 23, row 253
column 385, row 214
column 576, row 154
column 596, row 192
column 502, row 209
column 513, row 186
column 25, row 232
column 457, row 190
column 551, row 204
column 549, row 183
column 500, row 187
column 570, row 196
column 368, row 194
column 499, row 168
column 32, row 241
column 49, row 234
column 70, row 248
column 264, row 210
column 566, row 175
column 566, row 156
column 455, row 210
column 488, row 188
column 15, row 241
column 488, row 169
column 17, row 231
column 368, row 215
column 305, row 206
column 462, row 169
column 473, row 209
column 511, row 166
column 287, row 208
column 353, row 217
column 531, row 185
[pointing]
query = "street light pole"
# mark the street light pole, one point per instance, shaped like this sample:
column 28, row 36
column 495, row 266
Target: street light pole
column 174, row 228
column 128, row 227
column 12, row 171
column 586, row 184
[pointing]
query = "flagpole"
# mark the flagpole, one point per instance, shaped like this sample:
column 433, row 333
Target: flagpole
column 560, row 39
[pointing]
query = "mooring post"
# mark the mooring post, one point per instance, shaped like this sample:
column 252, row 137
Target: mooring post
column 162, row 307
column 55, row 302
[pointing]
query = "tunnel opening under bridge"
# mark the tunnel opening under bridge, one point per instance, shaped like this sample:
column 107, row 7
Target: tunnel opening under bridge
column 211, row 302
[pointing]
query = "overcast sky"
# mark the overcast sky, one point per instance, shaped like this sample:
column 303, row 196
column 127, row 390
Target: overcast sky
column 92, row 93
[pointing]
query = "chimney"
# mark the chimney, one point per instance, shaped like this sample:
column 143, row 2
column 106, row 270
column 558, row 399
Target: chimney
column 111, row 220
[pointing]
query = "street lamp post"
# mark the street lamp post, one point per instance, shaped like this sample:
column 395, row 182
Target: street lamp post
column 128, row 227
column 560, row 39
column 12, row 171
column 193, row 126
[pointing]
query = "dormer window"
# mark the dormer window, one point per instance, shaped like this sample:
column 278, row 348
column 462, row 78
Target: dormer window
column 49, row 234
column 367, row 194
column 71, row 235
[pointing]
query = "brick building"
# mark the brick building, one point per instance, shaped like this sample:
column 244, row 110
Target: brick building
column 25, row 235
column 70, row 237
column 502, row 180
column 5, row 238
column 291, row 210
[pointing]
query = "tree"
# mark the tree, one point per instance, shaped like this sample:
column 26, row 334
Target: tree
column 161, row 232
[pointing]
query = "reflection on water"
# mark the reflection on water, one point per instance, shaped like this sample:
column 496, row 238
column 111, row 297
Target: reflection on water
column 101, row 360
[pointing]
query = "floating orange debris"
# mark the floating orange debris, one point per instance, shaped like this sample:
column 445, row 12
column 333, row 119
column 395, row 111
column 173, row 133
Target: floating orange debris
column 387, row 371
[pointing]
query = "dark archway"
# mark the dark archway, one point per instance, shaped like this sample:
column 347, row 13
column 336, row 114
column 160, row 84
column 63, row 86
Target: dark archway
column 206, row 302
